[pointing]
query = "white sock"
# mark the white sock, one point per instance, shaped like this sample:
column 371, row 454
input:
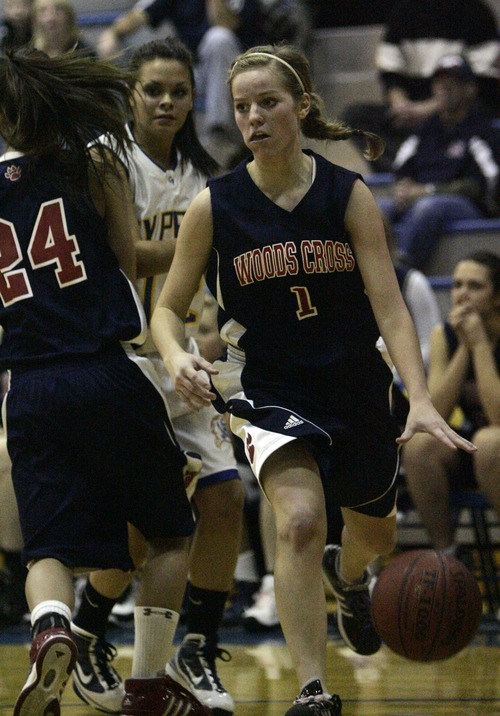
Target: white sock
column 154, row 633
column 50, row 606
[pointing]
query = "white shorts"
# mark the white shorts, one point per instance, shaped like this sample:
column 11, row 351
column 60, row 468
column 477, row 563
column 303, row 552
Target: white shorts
column 204, row 432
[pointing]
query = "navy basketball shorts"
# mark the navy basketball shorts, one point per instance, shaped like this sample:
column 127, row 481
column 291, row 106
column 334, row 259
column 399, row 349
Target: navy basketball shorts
column 358, row 472
column 92, row 449
column 349, row 429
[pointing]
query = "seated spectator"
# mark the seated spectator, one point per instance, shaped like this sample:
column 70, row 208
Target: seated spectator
column 55, row 29
column 15, row 28
column 446, row 171
column 464, row 371
column 418, row 33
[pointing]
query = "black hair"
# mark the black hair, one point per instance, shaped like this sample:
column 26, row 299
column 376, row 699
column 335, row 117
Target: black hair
column 186, row 140
column 490, row 261
column 315, row 125
column 55, row 107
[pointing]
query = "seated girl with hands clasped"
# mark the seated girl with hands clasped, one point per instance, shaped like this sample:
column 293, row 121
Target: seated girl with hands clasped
column 464, row 371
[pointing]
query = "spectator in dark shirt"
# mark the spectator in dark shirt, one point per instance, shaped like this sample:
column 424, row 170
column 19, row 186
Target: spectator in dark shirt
column 448, row 170
column 418, row 33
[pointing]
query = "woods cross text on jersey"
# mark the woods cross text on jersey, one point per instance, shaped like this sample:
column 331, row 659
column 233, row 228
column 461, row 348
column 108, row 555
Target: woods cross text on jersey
column 279, row 260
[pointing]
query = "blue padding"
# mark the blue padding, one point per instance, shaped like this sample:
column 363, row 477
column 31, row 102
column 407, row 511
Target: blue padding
column 97, row 18
column 474, row 225
column 469, row 498
column 440, row 282
column 380, row 179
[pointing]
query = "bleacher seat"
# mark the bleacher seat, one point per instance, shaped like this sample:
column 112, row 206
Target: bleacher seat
column 462, row 238
column 343, row 65
column 98, row 6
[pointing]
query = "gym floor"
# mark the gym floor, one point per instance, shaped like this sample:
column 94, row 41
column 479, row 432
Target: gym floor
column 261, row 678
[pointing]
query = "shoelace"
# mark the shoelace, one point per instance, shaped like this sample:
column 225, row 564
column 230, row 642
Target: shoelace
column 105, row 653
column 208, row 654
column 358, row 602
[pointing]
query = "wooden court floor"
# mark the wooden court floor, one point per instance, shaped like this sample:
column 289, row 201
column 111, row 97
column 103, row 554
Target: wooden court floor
column 261, row 679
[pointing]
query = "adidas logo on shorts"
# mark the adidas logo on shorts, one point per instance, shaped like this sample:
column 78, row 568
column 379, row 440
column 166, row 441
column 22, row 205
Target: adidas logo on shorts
column 292, row 422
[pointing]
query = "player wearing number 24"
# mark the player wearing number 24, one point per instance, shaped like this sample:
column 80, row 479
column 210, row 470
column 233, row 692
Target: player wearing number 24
column 87, row 427
column 294, row 250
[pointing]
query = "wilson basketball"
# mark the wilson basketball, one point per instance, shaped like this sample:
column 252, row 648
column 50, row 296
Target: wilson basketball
column 426, row 606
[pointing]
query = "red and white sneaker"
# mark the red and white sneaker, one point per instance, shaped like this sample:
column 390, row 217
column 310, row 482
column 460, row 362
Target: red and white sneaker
column 160, row 696
column 53, row 656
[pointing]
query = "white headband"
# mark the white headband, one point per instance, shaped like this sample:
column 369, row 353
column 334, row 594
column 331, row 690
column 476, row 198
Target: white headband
column 278, row 59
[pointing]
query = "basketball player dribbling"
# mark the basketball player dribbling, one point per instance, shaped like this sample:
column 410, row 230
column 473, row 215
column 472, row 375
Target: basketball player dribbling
column 294, row 251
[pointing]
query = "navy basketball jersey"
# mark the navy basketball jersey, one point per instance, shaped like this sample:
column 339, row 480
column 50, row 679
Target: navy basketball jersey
column 292, row 294
column 61, row 289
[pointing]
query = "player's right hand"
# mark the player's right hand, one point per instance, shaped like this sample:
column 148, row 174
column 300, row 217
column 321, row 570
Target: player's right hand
column 191, row 380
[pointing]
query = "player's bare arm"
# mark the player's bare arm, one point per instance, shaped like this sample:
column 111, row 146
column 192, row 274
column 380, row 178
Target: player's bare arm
column 193, row 248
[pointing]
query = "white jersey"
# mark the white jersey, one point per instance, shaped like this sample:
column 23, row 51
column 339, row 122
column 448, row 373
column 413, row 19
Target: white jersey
column 161, row 198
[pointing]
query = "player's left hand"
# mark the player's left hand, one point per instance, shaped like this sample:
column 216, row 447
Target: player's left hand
column 424, row 418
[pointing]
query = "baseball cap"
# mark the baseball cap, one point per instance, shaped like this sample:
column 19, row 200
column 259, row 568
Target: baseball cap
column 455, row 66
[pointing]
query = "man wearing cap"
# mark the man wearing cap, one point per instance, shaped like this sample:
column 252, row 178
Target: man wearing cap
column 447, row 170
column 417, row 33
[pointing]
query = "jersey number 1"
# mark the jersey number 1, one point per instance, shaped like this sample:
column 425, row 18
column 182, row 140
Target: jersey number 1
column 50, row 243
column 306, row 309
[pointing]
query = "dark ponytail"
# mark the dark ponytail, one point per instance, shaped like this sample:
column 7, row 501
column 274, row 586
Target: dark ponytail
column 55, row 107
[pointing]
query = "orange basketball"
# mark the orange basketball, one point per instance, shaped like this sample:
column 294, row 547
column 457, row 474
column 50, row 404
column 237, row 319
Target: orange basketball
column 426, row 606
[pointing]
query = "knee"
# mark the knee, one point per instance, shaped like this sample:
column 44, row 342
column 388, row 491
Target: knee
column 426, row 208
column 222, row 503
column 303, row 526
column 487, row 440
column 421, row 450
column 487, row 457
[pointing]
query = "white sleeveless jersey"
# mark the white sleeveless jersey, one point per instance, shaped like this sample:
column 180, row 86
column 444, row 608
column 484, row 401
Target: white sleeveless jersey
column 161, row 198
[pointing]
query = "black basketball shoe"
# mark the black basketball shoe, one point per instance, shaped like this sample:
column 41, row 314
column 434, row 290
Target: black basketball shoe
column 313, row 702
column 353, row 606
